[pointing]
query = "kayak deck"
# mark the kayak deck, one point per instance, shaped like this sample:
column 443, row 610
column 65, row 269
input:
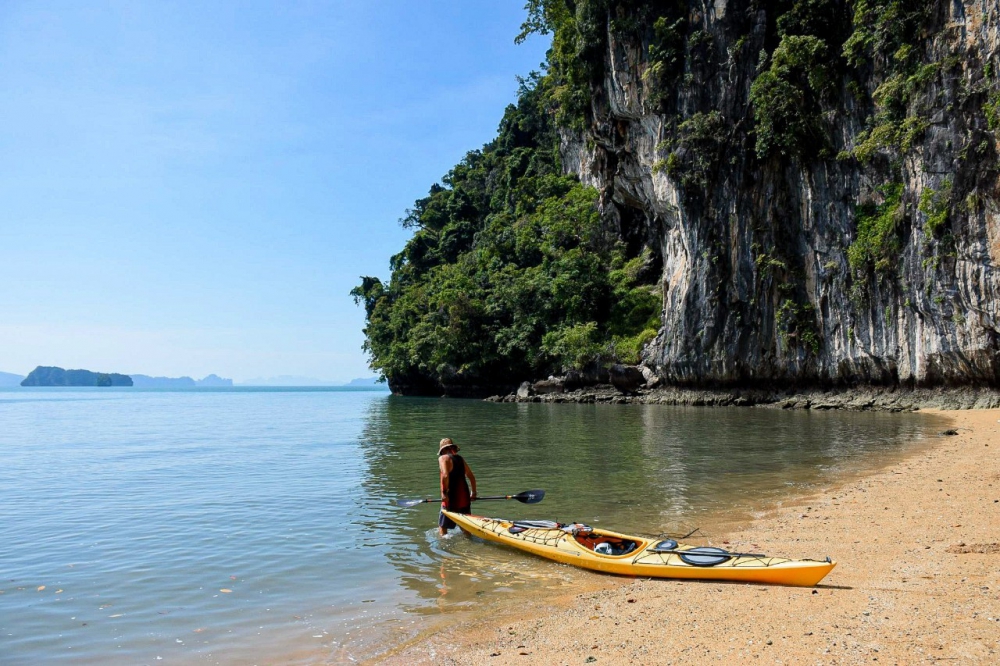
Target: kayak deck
column 581, row 546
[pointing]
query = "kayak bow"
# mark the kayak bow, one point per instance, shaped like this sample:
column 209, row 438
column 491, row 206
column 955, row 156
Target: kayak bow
column 615, row 553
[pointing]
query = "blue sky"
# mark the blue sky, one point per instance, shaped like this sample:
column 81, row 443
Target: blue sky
column 193, row 187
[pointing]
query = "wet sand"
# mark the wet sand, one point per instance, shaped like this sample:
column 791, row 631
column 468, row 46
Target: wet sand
column 917, row 581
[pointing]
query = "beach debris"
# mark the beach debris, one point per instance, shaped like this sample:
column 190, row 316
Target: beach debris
column 226, row 590
column 976, row 548
column 40, row 588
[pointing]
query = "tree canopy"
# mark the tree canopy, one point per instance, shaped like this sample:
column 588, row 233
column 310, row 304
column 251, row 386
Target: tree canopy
column 510, row 272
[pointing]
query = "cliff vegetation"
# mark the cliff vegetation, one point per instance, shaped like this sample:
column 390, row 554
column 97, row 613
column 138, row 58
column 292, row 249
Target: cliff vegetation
column 510, row 272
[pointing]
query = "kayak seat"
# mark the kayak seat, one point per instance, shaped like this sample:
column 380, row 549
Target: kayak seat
column 629, row 546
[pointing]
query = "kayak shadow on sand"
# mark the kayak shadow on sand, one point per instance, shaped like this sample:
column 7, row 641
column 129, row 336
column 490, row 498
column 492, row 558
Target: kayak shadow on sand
column 705, row 581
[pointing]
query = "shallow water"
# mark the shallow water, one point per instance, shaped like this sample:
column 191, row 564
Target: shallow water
column 255, row 525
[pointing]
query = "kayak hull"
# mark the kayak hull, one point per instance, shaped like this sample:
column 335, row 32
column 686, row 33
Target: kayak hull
column 563, row 546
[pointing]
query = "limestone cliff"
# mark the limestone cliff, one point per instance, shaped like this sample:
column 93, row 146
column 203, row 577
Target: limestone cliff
column 817, row 179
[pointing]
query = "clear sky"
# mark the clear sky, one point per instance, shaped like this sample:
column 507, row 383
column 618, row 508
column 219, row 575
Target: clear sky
column 194, row 187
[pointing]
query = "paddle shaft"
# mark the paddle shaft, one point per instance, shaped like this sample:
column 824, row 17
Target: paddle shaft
column 527, row 497
column 429, row 500
column 724, row 553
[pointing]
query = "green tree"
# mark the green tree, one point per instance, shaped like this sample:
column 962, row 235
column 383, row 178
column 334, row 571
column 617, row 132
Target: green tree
column 510, row 272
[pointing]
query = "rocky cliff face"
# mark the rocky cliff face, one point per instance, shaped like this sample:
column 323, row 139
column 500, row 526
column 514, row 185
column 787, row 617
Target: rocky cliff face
column 865, row 253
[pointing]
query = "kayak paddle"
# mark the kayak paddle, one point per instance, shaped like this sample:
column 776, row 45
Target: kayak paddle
column 526, row 497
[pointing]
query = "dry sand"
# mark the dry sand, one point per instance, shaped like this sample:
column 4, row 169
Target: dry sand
column 917, row 581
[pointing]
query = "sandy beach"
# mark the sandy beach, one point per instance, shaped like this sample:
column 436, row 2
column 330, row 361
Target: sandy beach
column 917, row 581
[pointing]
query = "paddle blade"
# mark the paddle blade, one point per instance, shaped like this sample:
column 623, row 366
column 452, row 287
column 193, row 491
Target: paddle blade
column 407, row 503
column 530, row 496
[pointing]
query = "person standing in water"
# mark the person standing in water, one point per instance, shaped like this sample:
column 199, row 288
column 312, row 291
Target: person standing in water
column 455, row 494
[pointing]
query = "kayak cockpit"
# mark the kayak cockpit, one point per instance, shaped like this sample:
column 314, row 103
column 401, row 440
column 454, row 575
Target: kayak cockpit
column 608, row 545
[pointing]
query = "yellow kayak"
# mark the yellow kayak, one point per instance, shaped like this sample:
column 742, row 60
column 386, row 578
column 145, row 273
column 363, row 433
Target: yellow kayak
column 611, row 552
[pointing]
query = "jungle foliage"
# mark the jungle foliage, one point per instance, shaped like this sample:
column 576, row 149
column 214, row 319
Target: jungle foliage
column 510, row 273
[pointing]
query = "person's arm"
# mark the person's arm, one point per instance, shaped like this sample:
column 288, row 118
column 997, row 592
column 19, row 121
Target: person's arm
column 472, row 479
column 444, row 465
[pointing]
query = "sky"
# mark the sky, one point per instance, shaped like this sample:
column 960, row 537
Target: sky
column 191, row 188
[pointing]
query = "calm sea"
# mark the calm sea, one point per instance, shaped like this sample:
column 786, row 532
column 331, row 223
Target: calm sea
column 256, row 525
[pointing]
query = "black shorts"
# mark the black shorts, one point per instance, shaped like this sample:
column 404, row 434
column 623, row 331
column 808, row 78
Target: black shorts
column 447, row 523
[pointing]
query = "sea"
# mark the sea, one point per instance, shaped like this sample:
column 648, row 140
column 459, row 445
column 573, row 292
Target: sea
column 259, row 525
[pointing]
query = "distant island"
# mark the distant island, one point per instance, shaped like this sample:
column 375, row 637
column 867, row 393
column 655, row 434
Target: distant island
column 300, row 381
column 145, row 381
column 287, row 380
column 366, row 381
column 52, row 376
column 214, row 380
column 10, row 379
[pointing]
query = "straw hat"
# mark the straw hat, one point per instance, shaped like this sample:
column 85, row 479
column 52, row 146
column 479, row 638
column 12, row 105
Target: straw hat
column 445, row 443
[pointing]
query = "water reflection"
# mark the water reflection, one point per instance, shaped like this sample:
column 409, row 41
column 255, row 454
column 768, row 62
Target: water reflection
column 638, row 468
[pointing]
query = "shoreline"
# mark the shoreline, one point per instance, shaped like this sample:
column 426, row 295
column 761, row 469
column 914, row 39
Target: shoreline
column 868, row 398
column 917, row 544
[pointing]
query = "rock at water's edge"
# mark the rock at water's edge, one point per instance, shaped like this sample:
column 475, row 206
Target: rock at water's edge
column 551, row 385
column 626, row 378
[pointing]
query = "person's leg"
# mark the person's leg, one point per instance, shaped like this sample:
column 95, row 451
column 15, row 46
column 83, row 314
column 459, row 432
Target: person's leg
column 466, row 511
column 444, row 524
